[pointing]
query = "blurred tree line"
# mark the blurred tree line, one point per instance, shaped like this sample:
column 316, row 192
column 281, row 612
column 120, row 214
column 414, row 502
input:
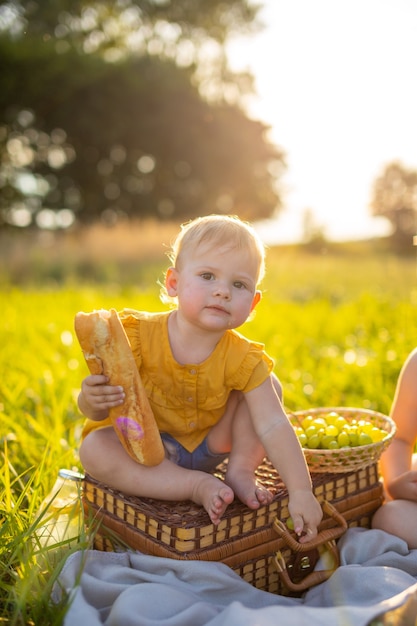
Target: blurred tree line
column 394, row 197
column 127, row 108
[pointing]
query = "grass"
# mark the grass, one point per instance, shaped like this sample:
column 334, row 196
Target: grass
column 339, row 325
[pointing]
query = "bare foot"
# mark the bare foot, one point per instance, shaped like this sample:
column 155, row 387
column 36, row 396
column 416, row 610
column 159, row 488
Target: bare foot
column 263, row 494
column 248, row 490
column 213, row 495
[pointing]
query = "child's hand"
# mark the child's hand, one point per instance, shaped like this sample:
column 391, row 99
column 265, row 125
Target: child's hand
column 306, row 514
column 404, row 487
column 97, row 397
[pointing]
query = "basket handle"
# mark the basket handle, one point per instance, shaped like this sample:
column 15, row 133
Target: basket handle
column 307, row 554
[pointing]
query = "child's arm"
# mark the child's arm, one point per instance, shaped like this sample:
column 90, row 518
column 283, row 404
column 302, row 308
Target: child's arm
column 96, row 397
column 285, row 453
column 396, row 461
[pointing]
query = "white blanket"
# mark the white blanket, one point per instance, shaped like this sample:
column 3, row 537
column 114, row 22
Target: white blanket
column 377, row 573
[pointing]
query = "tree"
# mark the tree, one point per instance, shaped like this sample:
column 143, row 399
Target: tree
column 193, row 32
column 314, row 234
column 128, row 139
column 96, row 135
column 394, row 197
column 112, row 22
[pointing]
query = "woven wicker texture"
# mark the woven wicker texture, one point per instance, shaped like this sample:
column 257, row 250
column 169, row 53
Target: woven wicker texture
column 350, row 458
column 244, row 540
column 185, row 528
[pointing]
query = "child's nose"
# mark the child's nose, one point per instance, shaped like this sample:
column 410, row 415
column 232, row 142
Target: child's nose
column 222, row 290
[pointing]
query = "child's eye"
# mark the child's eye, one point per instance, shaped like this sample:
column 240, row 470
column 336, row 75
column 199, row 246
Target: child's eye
column 239, row 285
column 207, row 276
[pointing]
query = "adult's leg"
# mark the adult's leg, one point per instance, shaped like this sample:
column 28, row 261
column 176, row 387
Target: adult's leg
column 398, row 517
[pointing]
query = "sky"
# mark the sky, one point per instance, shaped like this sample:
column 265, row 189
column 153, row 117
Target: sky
column 337, row 82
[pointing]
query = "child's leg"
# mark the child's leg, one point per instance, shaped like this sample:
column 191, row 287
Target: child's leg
column 104, row 458
column 245, row 457
column 236, row 433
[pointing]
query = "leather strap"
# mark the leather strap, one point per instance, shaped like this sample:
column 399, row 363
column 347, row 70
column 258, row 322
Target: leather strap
column 298, row 572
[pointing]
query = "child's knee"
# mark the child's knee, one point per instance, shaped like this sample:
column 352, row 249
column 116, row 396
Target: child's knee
column 94, row 448
column 88, row 452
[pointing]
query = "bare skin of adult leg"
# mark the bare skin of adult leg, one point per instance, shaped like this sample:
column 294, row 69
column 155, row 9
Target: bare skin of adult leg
column 103, row 457
column 398, row 517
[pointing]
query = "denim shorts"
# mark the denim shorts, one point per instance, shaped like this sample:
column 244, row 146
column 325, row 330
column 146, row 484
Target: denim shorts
column 200, row 459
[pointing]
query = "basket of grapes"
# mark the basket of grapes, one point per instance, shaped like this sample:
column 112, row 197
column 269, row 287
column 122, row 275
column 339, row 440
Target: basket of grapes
column 342, row 439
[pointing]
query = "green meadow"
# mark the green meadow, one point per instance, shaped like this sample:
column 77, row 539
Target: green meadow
column 338, row 323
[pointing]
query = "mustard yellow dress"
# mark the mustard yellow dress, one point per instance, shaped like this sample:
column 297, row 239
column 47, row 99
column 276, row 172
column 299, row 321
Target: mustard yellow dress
column 187, row 400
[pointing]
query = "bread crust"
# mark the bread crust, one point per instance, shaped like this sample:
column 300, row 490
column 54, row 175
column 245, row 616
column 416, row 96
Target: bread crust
column 107, row 351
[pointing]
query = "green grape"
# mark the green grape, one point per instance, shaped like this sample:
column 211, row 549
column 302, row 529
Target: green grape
column 313, row 442
column 331, row 417
column 333, row 445
column 332, row 430
column 341, row 423
column 319, row 422
column 343, row 440
column 310, row 431
column 327, row 442
column 364, row 439
column 307, row 421
column 302, row 438
column 378, row 434
column 365, row 427
column 354, row 439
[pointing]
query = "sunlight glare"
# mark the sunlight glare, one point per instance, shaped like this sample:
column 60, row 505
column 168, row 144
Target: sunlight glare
column 333, row 79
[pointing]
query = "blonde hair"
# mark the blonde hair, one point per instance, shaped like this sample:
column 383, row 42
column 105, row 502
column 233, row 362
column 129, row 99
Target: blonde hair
column 217, row 231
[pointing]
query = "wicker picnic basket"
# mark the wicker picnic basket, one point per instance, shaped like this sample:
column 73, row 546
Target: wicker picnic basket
column 255, row 544
column 349, row 458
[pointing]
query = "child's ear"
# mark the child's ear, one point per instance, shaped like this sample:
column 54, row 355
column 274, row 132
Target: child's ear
column 256, row 298
column 171, row 280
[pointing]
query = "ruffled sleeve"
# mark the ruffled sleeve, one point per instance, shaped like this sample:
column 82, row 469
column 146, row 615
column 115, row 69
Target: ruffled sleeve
column 249, row 365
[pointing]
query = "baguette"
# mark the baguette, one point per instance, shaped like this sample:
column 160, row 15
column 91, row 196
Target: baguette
column 107, row 351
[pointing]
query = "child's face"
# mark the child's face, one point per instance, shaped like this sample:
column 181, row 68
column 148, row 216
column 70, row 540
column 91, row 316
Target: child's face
column 215, row 287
